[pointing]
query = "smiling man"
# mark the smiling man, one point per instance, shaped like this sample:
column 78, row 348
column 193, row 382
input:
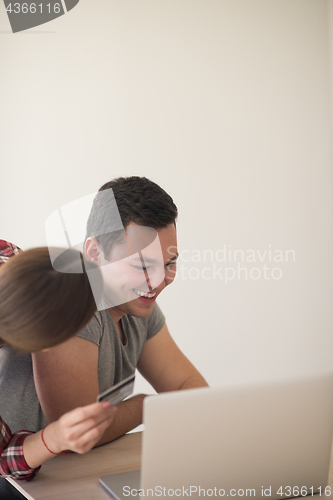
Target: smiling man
column 137, row 255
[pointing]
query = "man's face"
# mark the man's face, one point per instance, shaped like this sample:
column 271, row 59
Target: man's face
column 133, row 283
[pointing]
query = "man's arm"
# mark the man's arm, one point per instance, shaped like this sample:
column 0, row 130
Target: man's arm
column 66, row 377
column 165, row 367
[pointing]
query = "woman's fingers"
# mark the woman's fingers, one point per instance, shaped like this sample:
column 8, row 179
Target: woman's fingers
column 85, row 412
column 88, row 428
column 79, row 429
column 87, row 440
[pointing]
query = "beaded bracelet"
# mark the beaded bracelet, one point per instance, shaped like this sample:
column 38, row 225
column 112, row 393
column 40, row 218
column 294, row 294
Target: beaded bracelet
column 48, row 449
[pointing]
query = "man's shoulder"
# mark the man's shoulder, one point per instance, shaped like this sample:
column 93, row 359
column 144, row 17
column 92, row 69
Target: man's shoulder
column 95, row 328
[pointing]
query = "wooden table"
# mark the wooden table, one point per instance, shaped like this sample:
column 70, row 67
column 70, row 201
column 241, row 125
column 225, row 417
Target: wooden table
column 75, row 477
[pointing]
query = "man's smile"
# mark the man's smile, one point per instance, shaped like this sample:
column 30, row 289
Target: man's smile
column 147, row 295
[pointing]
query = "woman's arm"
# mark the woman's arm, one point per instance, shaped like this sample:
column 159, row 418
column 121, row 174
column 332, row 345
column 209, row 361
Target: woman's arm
column 23, row 453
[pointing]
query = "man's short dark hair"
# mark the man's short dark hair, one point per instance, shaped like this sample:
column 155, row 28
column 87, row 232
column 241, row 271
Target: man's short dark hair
column 138, row 200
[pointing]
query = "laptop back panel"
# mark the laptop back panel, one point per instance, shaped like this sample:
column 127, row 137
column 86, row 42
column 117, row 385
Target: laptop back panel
column 239, row 441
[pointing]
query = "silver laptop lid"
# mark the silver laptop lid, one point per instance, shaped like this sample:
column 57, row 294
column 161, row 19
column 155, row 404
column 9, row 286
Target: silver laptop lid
column 254, row 441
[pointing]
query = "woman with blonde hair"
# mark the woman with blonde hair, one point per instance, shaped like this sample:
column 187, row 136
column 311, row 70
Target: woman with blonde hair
column 41, row 307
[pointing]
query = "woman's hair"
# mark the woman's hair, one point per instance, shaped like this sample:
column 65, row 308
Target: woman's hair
column 39, row 306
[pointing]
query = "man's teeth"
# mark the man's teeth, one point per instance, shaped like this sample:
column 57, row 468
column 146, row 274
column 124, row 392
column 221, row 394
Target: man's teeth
column 149, row 295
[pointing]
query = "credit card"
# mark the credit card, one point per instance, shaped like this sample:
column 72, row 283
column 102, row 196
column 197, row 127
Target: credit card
column 118, row 392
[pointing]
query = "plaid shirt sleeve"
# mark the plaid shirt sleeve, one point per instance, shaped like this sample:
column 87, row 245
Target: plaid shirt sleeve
column 12, row 461
column 7, row 250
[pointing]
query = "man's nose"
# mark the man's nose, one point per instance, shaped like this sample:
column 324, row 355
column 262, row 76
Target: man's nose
column 155, row 278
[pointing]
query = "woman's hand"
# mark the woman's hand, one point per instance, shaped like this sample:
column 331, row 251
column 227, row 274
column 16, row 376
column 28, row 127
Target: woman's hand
column 80, row 429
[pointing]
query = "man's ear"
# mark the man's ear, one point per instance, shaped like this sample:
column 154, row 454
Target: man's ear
column 93, row 251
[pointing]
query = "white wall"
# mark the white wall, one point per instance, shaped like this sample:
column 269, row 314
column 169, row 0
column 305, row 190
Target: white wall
column 225, row 103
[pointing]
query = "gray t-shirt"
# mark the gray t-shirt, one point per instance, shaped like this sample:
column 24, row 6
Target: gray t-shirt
column 115, row 360
column 19, row 405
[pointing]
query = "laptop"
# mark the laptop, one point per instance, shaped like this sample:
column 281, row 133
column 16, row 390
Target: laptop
column 268, row 440
column 11, row 490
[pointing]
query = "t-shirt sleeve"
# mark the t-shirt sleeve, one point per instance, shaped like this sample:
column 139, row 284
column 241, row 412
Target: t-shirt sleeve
column 155, row 321
column 93, row 330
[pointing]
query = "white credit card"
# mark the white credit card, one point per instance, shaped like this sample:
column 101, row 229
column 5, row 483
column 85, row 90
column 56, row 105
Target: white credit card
column 118, row 392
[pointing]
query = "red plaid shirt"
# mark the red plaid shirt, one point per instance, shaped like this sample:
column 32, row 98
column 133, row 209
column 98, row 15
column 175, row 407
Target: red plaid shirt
column 7, row 250
column 12, row 461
